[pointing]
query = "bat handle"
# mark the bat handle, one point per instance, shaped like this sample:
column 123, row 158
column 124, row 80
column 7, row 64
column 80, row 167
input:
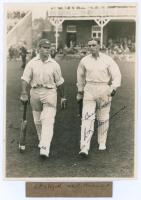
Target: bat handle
column 80, row 107
column 24, row 111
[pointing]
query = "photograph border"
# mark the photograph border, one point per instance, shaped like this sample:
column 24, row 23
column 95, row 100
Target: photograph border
column 78, row 179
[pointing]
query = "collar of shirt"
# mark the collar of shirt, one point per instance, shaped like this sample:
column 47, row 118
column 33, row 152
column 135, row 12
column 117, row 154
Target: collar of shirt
column 48, row 60
column 99, row 55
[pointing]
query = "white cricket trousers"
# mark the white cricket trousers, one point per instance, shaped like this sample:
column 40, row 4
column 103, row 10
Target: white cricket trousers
column 43, row 102
column 96, row 104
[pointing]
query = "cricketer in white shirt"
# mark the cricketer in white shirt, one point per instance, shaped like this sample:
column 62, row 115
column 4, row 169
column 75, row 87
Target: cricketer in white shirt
column 44, row 75
column 98, row 77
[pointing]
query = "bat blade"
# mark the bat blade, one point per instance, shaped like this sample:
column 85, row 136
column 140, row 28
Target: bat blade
column 80, row 107
column 22, row 136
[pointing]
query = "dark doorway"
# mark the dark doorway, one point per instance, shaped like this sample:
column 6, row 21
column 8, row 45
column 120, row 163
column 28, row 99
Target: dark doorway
column 44, row 35
column 71, row 40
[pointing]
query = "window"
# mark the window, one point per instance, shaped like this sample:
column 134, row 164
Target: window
column 96, row 28
column 71, row 28
column 99, row 34
column 96, row 32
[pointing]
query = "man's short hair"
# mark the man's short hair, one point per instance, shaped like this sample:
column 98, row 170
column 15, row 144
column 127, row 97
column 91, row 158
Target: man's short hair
column 44, row 43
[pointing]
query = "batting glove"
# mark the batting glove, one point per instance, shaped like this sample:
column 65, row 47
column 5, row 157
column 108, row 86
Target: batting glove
column 79, row 96
column 63, row 103
column 24, row 97
column 113, row 93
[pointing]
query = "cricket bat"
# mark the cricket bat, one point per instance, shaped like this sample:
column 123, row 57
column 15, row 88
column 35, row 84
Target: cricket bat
column 80, row 106
column 22, row 138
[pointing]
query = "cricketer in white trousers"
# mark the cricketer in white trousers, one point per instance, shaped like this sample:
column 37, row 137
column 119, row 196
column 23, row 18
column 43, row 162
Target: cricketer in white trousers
column 93, row 77
column 44, row 78
column 44, row 120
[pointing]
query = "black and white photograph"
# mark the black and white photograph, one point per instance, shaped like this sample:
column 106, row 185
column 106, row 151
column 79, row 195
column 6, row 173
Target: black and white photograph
column 70, row 91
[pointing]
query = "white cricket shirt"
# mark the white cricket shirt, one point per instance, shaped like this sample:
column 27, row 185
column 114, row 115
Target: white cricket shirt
column 100, row 70
column 47, row 74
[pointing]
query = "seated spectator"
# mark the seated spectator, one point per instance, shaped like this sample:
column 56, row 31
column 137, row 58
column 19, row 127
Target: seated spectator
column 53, row 52
column 110, row 44
column 60, row 48
column 129, row 43
column 125, row 48
column 118, row 49
column 33, row 53
column 84, row 52
column 72, row 43
column 65, row 50
column 23, row 14
column 11, row 52
column 133, row 47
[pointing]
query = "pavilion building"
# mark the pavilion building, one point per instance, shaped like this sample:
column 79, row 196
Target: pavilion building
column 77, row 23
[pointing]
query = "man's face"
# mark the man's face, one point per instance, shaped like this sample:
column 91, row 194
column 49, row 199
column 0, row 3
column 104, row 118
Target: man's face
column 93, row 47
column 44, row 51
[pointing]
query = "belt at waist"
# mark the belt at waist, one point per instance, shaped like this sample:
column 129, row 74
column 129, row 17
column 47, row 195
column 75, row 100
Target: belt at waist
column 41, row 86
column 97, row 83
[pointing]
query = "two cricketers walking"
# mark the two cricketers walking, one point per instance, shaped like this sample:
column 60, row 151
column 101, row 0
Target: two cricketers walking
column 98, row 78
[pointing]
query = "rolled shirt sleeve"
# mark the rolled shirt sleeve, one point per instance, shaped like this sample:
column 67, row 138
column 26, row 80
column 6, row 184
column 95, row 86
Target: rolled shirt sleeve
column 115, row 74
column 81, row 76
column 27, row 74
column 59, row 80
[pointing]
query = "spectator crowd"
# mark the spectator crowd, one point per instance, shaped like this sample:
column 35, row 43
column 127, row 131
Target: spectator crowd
column 120, row 48
column 13, row 18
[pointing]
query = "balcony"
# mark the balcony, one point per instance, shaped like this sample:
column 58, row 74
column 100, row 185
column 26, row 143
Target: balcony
column 112, row 10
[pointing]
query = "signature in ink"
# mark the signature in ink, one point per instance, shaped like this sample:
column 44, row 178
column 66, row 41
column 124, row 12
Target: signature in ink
column 90, row 130
column 87, row 115
column 88, row 134
column 105, row 104
column 115, row 114
column 121, row 109
column 100, row 123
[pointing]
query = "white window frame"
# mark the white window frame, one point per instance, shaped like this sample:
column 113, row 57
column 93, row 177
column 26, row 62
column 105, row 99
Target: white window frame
column 96, row 32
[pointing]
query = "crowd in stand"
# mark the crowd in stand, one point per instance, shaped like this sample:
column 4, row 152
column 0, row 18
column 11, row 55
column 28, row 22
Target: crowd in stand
column 15, row 52
column 20, row 52
column 13, row 18
column 121, row 46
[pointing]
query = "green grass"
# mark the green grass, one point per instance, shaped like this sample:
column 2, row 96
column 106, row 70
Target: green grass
column 117, row 161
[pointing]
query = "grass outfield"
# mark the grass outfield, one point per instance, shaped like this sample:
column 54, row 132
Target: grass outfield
column 117, row 161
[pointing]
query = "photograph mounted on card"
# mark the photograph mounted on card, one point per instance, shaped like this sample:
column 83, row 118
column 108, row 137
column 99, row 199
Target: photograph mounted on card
column 70, row 91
